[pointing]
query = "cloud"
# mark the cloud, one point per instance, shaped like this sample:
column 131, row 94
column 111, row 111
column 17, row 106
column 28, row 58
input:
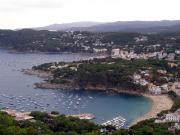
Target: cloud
column 43, row 4
column 22, row 5
column 32, row 13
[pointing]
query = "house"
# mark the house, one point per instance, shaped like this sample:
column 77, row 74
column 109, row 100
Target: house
column 62, row 66
column 162, row 72
column 171, row 57
column 154, row 89
column 177, row 85
column 52, row 67
column 165, row 87
column 143, row 82
column 133, row 55
column 173, row 117
column 141, row 38
column 152, row 55
column 177, row 52
column 73, row 68
column 115, row 52
column 99, row 51
column 161, row 55
column 136, row 76
column 177, row 126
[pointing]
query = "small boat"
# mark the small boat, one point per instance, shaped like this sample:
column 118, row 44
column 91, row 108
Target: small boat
column 90, row 97
column 77, row 103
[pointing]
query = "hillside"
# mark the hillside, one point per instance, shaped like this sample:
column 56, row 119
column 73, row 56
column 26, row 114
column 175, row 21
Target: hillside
column 64, row 26
column 125, row 26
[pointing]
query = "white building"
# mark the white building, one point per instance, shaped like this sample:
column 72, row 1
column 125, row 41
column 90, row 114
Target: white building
column 161, row 55
column 171, row 57
column 141, row 38
column 103, row 50
column 73, row 68
column 136, row 76
column 177, row 51
column 154, row 89
column 143, row 82
column 173, row 117
column 165, row 87
column 115, row 53
column 163, row 72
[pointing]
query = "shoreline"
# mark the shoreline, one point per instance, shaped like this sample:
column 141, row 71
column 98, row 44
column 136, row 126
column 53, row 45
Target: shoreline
column 73, row 86
column 15, row 51
column 159, row 104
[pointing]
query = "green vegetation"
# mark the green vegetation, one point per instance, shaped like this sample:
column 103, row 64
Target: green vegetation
column 109, row 73
column 176, row 100
column 148, row 127
column 56, row 41
column 45, row 124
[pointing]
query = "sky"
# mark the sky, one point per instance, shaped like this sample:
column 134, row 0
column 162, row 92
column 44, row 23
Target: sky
column 35, row 13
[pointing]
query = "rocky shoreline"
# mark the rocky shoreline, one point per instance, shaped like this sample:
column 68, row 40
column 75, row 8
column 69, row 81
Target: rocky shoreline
column 48, row 85
column 72, row 86
column 41, row 74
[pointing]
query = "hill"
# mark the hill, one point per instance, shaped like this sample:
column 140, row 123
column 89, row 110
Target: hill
column 64, row 26
column 125, row 26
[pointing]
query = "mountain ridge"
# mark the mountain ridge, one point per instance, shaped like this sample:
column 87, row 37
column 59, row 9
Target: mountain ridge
column 64, row 26
column 125, row 26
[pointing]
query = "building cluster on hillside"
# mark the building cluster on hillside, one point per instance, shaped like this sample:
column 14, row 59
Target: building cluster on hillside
column 119, row 53
column 102, row 43
column 169, row 117
column 143, row 79
column 173, row 117
column 58, row 66
column 61, row 66
column 141, row 39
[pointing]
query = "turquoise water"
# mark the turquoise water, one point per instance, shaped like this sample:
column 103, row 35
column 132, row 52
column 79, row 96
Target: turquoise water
column 17, row 91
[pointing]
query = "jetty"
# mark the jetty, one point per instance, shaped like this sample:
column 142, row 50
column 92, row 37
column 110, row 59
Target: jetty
column 18, row 116
column 117, row 122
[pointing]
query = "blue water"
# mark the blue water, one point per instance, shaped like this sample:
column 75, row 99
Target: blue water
column 17, row 91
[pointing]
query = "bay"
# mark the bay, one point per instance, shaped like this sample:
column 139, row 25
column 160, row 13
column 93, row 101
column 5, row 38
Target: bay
column 17, row 91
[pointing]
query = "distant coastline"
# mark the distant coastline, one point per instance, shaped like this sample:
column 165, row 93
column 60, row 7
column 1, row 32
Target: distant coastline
column 15, row 51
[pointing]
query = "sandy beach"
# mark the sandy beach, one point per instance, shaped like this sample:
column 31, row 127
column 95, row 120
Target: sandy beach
column 160, row 103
